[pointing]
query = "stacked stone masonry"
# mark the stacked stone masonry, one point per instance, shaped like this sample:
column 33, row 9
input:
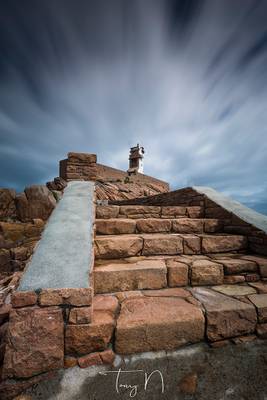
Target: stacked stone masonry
column 169, row 271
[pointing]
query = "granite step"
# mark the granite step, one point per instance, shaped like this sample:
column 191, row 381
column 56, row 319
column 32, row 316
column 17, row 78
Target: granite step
column 118, row 226
column 139, row 212
column 128, row 245
column 157, row 272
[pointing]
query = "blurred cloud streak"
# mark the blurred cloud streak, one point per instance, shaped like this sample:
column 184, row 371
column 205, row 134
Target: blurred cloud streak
column 185, row 78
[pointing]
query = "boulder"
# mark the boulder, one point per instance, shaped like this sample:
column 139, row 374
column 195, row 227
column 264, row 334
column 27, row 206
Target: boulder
column 7, row 204
column 36, row 202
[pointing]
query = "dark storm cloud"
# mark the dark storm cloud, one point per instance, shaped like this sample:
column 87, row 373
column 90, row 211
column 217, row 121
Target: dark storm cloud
column 186, row 78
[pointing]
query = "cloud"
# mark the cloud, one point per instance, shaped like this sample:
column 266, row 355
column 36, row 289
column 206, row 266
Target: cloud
column 186, row 79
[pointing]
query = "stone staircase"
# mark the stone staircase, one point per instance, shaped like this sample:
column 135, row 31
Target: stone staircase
column 178, row 276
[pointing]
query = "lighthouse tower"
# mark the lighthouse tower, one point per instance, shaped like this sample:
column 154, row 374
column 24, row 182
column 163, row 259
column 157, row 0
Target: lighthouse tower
column 136, row 157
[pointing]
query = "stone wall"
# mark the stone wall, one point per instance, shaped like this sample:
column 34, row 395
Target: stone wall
column 230, row 216
column 22, row 220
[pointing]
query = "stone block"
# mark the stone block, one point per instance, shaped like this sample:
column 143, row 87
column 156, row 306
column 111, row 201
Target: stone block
column 226, row 317
column 162, row 244
column 157, row 323
column 146, row 274
column 260, row 302
column 191, row 244
column 80, row 315
column 118, row 246
column 115, row 226
column 177, row 273
column 84, row 339
column 173, row 211
column 237, row 265
column 223, row 243
column 195, row 211
column 205, row 272
column 35, row 342
column 103, row 212
column 153, row 225
column 187, row 225
column 66, row 296
column 22, row 299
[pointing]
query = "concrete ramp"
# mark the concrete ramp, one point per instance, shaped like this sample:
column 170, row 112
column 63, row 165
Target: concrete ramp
column 63, row 258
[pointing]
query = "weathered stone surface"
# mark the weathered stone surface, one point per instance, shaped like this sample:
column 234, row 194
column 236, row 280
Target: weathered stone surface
column 149, row 324
column 177, row 273
column 107, row 356
column 252, row 277
column 221, row 243
column 173, row 211
column 162, row 244
column 103, row 357
column 261, row 261
column 7, row 203
column 84, row 339
column 22, row 299
column 108, row 304
column 260, row 286
column 36, row 202
column 205, row 272
column 103, row 212
column 262, row 331
column 58, row 184
column 145, row 274
column 236, row 265
column 89, row 360
column 167, row 292
column 35, row 342
column 153, row 225
column 121, row 296
column 191, row 244
column 233, row 279
column 5, row 261
column 187, row 225
column 77, row 158
column 70, row 296
column 70, row 362
column 212, row 225
column 11, row 388
column 4, row 312
column 118, row 246
column 226, row 317
column 195, row 211
column 115, row 226
column 234, row 290
column 139, row 210
column 260, row 302
column 80, row 315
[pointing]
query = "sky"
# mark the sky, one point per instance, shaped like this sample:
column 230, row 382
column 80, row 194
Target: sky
column 187, row 79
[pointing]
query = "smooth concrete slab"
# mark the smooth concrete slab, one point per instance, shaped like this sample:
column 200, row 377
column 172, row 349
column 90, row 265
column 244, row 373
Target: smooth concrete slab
column 246, row 214
column 63, row 257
